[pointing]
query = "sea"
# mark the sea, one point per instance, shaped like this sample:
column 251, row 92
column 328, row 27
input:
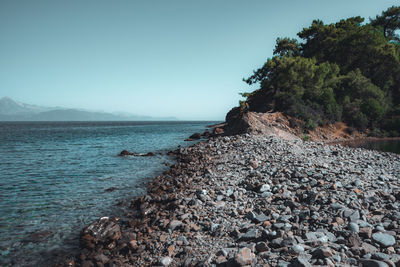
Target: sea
column 389, row 145
column 57, row 177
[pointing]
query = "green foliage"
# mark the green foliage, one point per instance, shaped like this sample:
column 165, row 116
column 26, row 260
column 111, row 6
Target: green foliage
column 310, row 124
column 287, row 47
column 302, row 88
column 306, row 137
column 389, row 22
column 376, row 133
column 346, row 71
column 243, row 105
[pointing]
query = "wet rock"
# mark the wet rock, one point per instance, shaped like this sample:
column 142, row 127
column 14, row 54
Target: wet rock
column 102, row 232
column 125, row 153
column 38, row 236
column 148, row 154
column 110, row 189
column 195, row 136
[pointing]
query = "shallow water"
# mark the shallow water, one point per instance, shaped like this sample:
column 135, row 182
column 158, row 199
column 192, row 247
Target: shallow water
column 380, row 145
column 54, row 177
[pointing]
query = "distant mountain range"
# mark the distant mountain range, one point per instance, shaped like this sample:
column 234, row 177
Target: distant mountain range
column 11, row 110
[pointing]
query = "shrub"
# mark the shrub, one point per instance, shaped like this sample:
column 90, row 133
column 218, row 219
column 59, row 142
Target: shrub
column 310, row 125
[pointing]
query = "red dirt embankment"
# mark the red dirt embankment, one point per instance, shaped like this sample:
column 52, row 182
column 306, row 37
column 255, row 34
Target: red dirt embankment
column 287, row 128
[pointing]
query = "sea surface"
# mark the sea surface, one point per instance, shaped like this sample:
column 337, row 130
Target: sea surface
column 381, row 145
column 54, row 178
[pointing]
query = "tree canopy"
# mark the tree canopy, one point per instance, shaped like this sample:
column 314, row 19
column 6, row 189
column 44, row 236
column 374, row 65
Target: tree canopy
column 346, row 71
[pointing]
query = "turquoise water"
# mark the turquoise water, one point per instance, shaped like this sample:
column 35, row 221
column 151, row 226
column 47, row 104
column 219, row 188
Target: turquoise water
column 55, row 176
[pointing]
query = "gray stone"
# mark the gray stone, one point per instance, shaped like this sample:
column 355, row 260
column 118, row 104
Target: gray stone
column 261, row 218
column 249, row 235
column 380, row 256
column 282, row 263
column 166, row 261
column 354, row 227
column 337, row 206
column 383, row 239
column 297, row 249
column 337, row 258
column 174, row 224
column 261, row 247
column 301, row 261
column 265, row 188
column 373, row 263
column 354, row 216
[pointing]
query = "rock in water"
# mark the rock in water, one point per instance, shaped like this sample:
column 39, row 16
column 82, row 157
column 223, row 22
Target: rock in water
column 195, row 136
column 104, row 231
column 125, row 153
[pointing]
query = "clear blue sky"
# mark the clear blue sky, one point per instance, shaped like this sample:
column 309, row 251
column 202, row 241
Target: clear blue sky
column 159, row 58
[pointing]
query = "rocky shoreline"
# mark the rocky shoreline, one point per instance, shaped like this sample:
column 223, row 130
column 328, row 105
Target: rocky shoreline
column 258, row 200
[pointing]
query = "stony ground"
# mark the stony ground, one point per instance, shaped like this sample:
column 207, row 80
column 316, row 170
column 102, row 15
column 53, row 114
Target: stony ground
column 259, row 201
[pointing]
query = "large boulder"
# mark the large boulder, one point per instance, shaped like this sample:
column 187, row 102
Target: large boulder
column 240, row 122
column 102, row 233
column 125, row 153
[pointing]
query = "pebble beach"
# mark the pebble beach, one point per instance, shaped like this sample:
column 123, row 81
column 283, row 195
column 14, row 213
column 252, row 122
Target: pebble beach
column 258, row 200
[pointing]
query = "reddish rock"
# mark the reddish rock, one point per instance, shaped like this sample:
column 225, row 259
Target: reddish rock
column 218, row 131
column 365, row 232
column 245, row 257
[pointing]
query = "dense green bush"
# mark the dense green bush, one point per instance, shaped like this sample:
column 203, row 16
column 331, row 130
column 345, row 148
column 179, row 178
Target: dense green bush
column 347, row 71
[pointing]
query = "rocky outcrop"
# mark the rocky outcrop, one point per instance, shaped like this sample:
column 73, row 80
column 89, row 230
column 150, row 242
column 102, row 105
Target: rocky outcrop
column 286, row 127
column 276, row 123
column 127, row 153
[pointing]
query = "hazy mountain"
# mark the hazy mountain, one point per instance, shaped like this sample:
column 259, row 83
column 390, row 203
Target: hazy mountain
column 11, row 110
column 9, row 106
